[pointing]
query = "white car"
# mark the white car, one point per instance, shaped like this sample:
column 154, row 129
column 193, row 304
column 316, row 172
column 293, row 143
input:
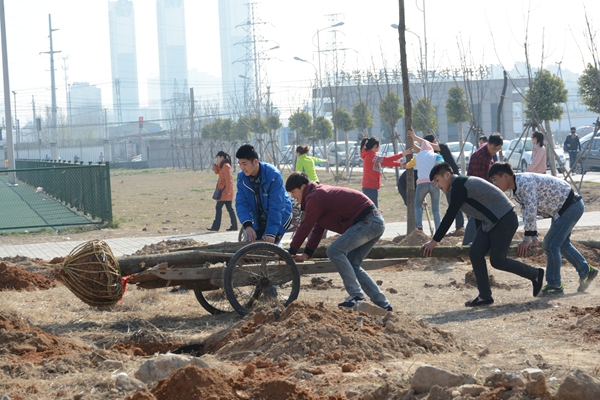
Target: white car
column 521, row 154
column 468, row 149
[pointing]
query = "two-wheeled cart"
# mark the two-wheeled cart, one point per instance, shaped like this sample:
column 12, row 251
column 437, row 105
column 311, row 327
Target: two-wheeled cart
column 232, row 276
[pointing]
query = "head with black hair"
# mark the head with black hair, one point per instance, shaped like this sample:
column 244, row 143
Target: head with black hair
column 502, row 176
column 430, row 138
column 248, row 160
column 302, row 150
column 441, row 176
column 494, row 143
column 295, row 184
column 223, row 158
column 538, row 138
column 371, row 143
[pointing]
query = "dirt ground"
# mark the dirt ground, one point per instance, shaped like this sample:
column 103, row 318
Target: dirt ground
column 54, row 346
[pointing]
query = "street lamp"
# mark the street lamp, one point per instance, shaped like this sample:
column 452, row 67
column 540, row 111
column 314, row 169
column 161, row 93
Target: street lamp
column 319, row 47
column 316, row 78
column 16, row 124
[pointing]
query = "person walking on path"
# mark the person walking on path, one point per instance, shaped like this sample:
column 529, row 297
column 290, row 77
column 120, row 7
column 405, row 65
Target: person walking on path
column 306, row 163
column 262, row 204
column 223, row 168
column 444, row 150
column 497, row 223
column 549, row 197
column 572, row 146
column 479, row 165
column 538, row 154
column 373, row 165
column 351, row 214
column 423, row 161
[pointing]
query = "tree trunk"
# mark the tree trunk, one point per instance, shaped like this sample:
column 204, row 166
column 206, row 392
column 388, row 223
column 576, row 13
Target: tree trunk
column 499, row 117
column 410, row 182
column 347, row 151
column 550, row 147
column 461, row 141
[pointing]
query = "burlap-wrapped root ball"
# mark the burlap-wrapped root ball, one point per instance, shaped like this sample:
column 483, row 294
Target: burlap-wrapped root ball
column 92, row 273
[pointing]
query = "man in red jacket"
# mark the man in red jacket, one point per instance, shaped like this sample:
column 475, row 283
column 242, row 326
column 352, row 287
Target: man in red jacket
column 349, row 213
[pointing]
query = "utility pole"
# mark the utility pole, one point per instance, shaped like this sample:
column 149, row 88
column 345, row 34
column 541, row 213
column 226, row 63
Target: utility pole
column 16, row 123
column 117, row 83
column 9, row 141
column 192, row 126
column 53, row 135
column 35, row 127
column 65, row 67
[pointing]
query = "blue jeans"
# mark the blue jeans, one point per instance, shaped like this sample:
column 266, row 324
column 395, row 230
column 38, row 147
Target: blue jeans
column 470, row 231
column 348, row 252
column 573, row 157
column 372, row 194
column 460, row 219
column 497, row 242
column 557, row 242
column 434, row 193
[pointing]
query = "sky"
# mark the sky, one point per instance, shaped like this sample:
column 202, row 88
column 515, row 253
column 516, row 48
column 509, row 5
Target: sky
column 494, row 31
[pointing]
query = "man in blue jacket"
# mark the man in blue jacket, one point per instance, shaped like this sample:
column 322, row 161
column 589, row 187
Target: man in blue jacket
column 262, row 204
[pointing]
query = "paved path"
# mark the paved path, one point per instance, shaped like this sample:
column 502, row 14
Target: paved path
column 125, row 246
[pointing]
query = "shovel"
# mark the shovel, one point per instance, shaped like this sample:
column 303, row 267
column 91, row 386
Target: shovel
column 428, row 218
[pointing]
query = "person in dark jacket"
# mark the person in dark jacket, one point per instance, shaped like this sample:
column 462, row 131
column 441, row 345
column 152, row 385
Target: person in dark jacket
column 572, row 146
column 263, row 206
column 497, row 223
column 351, row 214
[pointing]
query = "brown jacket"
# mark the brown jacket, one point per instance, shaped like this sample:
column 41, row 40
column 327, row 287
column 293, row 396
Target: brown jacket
column 225, row 181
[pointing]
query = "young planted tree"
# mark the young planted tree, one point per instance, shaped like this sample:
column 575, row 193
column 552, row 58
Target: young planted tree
column 301, row 123
column 390, row 111
column 241, row 129
column 424, row 119
column 343, row 120
column 589, row 88
column 273, row 124
column 457, row 111
column 542, row 103
column 362, row 117
column 323, row 131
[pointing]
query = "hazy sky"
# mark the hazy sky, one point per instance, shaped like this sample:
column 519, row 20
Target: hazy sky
column 557, row 27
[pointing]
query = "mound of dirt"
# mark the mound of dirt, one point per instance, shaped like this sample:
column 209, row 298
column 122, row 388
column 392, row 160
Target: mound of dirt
column 318, row 283
column 207, row 383
column 167, row 245
column 16, row 278
column 415, row 238
column 22, row 342
column 320, row 334
column 145, row 349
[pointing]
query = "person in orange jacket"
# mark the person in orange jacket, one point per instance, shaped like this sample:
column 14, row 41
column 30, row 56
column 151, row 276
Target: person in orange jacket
column 373, row 165
column 223, row 168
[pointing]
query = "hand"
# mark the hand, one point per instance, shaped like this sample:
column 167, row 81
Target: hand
column 251, row 234
column 428, row 247
column 407, row 151
column 300, row 257
column 411, row 133
column 268, row 239
column 535, row 243
column 522, row 248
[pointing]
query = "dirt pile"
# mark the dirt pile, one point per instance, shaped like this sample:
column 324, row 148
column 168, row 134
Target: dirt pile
column 16, row 278
column 318, row 334
column 167, row 245
column 318, row 283
column 415, row 238
column 22, row 342
column 206, row 383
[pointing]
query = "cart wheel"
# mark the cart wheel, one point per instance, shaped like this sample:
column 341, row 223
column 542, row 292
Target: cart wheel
column 242, row 235
column 213, row 301
column 261, row 274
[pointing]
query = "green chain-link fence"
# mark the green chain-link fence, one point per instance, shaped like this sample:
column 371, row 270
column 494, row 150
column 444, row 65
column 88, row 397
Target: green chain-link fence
column 46, row 194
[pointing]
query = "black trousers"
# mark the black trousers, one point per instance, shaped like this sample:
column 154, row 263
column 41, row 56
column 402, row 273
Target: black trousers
column 219, row 208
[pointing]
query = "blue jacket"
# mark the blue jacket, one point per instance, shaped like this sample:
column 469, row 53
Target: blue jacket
column 275, row 200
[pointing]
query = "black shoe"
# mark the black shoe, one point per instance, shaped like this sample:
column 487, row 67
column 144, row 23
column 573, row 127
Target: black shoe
column 212, row 229
column 231, row 229
column 537, row 284
column 478, row 302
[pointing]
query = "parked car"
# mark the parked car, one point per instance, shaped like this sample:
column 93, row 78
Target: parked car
column 521, row 154
column 468, row 149
column 288, row 152
column 340, row 148
column 590, row 160
column 387, row 149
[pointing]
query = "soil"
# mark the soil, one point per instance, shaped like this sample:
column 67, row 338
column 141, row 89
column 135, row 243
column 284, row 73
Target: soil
column 54, row 346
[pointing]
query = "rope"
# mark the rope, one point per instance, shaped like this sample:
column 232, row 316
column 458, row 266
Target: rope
column 92, row 273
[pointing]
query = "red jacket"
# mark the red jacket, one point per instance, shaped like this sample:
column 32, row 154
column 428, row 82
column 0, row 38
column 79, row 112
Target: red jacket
column 372, row 166
column 334, row 208
column 225, row 181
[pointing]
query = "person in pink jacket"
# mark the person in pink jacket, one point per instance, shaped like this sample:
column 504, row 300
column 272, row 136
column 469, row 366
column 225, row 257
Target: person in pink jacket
column 538, row 154
column 373, row 165
column 223, row 168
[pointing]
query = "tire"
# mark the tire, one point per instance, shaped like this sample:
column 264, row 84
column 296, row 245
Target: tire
column 523, row 166
column 214, row 301
column 578, row 168
column 254, row 270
